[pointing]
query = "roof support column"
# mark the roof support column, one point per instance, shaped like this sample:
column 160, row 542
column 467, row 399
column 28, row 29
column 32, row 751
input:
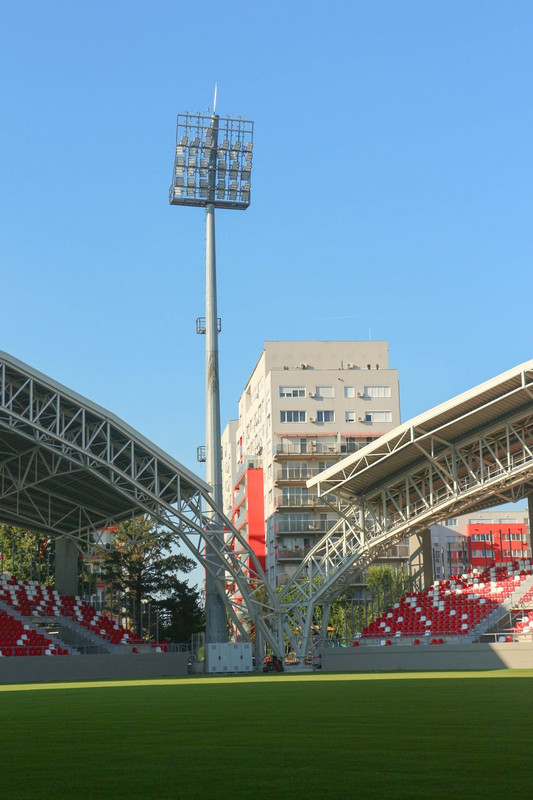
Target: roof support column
column 66, row 566
column 420, row 560
column 530, row 511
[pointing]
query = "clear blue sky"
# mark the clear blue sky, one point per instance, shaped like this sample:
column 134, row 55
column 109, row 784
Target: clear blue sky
column 392, row 191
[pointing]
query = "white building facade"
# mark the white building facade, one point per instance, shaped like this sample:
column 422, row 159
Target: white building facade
column 305, row 406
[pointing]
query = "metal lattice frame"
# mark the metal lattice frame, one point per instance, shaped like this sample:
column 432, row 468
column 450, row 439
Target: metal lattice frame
column 69, row 468
column 472, row 453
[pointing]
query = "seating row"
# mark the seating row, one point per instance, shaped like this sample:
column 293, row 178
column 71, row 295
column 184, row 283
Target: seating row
column 30, row 598
column 451, row 607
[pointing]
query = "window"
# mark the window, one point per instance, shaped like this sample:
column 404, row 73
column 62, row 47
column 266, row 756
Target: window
column 295, row 495
column 349, row 391
column 325, row 391
column 378, row 416
column 377, row 391
column 294, row 471
column 451, row 522
column 349, row 416
column 325, row 416
column 351, row 445
column 291, row 391
column 293, row 416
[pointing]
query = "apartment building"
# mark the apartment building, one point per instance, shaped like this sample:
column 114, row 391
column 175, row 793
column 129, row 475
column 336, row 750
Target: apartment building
column 305, row 406
column 478, row 540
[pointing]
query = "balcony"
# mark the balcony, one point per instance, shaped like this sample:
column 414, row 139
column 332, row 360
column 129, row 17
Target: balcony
column 400, row 551
column 314, row 448
column 302, row 475
column 295, row 501
column 317, row 526
column 238, row 498
column 296, row 554
column 304, row 501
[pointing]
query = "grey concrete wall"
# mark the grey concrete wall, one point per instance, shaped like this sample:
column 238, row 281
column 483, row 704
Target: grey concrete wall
column 530, row 515
column 26, row 669
column 428, row 657
column 420, row 556
column 66, row 566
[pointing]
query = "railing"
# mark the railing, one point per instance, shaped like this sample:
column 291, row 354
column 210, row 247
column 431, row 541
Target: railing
column 287, row 474
column 311, row 448
column 296, row 500
column 296, row 553
column 238, row 497
column 305, row 526
column 396, row 551
column 307, row 500
column 506, row 637
column 408, row 639
column 444, row 493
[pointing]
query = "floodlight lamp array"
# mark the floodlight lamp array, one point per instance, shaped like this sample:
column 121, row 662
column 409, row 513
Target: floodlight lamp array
column 213, row 161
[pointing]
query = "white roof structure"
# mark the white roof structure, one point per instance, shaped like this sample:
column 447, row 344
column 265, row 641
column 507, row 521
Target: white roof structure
column 506, row 397
column 69, row 468
column 472, row 452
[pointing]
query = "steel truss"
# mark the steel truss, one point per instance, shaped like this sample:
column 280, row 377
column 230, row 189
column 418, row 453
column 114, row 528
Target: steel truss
column 488, row 462
column 69, row 468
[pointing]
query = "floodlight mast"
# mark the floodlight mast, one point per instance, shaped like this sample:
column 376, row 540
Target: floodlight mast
column 214, row 606
column 208, row 175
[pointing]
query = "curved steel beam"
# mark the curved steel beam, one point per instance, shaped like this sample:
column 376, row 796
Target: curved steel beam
column 479, row 457
column 68, row 467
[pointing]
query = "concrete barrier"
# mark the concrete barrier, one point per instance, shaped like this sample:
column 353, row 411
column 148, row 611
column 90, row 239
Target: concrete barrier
column 27, row 669
column 413, row 658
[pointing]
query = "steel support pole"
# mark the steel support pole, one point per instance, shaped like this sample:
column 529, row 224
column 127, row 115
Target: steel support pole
column 214, row 605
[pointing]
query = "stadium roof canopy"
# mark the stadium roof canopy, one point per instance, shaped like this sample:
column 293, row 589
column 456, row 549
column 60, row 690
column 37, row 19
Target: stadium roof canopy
column 63, row 458
column 472, row 452
column 70, row 468
column 506, row 400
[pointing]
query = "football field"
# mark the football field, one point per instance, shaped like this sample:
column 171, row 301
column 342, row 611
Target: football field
column 305, row 737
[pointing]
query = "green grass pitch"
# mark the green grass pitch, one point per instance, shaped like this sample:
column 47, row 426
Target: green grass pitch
column 305, row 737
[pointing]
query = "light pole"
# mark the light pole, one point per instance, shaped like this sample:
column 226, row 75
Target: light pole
column 212, row 169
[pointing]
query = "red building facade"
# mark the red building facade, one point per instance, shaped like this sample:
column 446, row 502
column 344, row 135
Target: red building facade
column 248, row 509
column 490, row 543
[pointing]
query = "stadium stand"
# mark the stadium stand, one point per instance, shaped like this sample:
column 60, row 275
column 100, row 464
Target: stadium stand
column 30, row 599
column 453, row 607
column 17, row 639
column 524, row 614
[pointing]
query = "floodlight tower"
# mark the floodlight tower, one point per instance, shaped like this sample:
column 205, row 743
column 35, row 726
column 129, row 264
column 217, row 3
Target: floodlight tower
column 212, row 169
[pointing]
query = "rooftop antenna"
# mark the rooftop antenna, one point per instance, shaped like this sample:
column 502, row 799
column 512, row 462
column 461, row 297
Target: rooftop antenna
column 215, row 99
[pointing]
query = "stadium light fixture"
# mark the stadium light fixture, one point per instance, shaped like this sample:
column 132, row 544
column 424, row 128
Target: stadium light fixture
column 213, row 161
column 212, row 169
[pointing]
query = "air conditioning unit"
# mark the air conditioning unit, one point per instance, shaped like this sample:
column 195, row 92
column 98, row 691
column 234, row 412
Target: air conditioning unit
column 360, row 419
column 312, row 419
column 311, row 394
column 360, row 394
column 303, row 366
column 349, row 365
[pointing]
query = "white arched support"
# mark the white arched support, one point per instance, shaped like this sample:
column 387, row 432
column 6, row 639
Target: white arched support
column 70, row 468
column 477, row 453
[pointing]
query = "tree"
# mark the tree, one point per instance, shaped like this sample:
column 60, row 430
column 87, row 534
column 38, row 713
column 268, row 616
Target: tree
column 386, row 586
column 28, row 555
column 143, row 565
